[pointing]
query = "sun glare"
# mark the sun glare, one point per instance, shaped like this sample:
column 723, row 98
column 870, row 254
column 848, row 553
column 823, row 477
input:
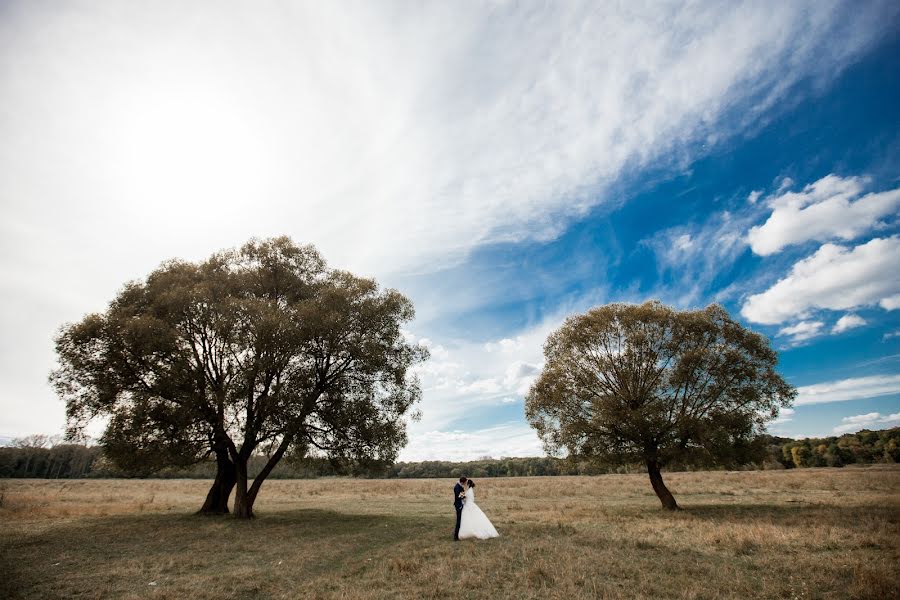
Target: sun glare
column 186, row 148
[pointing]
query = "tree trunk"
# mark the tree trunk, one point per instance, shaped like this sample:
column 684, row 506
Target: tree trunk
column 270, row 464
column 243, row 503
column 226, row 476
column 656, row 480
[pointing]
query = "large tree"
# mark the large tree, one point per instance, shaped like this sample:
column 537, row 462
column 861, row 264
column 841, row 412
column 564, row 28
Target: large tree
column 651, row 384
column 260, row 349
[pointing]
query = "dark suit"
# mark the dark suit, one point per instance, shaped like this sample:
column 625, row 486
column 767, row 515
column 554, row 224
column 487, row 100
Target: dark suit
column 458, row 505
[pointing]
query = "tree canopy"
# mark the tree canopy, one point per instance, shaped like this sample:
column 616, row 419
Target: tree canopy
column 259, row 348
column 648, row 383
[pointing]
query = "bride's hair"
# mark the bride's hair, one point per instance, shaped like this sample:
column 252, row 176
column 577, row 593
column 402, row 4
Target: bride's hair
column 471, row 483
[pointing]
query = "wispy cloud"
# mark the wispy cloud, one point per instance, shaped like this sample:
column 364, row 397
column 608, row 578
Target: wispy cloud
column 855, row 388
column 802, row 331
column 694, row 255
column 397, row 138
column 380, row 129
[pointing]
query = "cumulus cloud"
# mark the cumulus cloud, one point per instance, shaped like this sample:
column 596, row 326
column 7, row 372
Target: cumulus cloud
column 846, row 322
column 855, row 388
column 871, row 420
column 835, row 278
column 825, row 210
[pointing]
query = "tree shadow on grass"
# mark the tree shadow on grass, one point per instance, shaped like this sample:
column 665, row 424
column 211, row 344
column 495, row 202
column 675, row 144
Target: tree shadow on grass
column 327, row 523
column 313, row 524
column 109, row 551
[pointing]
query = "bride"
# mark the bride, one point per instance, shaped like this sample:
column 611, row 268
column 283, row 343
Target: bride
column 474, row 523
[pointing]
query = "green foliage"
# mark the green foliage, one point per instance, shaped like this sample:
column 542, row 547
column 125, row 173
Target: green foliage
column 634, row 383
column 64, row 461
column 863, row 447
column 627, row 383
column 257, row 350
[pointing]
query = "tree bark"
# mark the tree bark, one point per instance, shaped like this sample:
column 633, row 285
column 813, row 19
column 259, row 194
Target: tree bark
column 226, row 476
column 270, row 464
column 662, row 492
column 243, row 504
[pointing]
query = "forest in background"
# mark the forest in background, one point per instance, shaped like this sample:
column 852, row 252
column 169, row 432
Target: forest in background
column 43, row 457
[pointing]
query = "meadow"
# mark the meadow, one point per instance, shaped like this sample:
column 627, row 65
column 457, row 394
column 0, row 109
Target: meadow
column 803, row 533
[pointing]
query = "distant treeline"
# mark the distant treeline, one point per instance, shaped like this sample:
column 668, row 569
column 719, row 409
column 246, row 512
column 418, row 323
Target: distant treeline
column 43, row 457
column 864, row 447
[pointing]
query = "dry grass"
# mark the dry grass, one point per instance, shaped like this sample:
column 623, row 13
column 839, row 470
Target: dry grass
column 814, row 533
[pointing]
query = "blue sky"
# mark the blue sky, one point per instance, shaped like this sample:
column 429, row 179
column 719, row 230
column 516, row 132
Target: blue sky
column 616, row 252
column 503, row 165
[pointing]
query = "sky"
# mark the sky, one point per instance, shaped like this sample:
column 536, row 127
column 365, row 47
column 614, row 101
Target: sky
column 503, row 164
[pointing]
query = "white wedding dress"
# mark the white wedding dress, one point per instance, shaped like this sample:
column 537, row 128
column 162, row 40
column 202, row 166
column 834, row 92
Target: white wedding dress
column 474, row 523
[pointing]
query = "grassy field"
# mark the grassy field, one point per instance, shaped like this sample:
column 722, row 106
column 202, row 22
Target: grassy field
column 812, row 533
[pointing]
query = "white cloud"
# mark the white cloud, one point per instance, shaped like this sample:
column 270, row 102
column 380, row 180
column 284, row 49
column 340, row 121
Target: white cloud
column 695, row 254
column 506, row 345
column 398, row 138
column 754, row 196
column 890, row 334
column 784, row 415
column 381, row 128
column 846, row 322
column 856, row 388
column 471, row 377
column 683, row 242
column 802, row 331
column 871, row 420
column 437, row 351
column 890, row 303
column 862, row 418
column 785, row 184
column 825, row 210
column 835, row 278
column 510, row 439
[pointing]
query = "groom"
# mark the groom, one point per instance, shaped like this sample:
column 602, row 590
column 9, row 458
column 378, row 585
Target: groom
column 459, row 492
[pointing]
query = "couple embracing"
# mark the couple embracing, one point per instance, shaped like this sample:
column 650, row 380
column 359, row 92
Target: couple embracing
column 471, row 522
